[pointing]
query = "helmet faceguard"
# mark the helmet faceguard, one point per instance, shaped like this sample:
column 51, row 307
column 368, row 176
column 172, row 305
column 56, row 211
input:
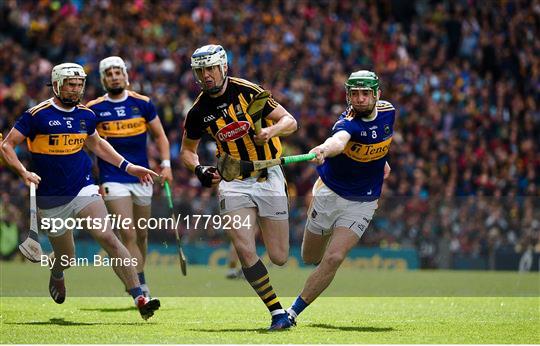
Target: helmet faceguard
column 208, row 56
column 362, row 80
column 107, row 63
column 67, row 71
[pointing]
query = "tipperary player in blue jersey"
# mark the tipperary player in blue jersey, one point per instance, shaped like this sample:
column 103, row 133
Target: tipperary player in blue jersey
column 56, row 131
column 352, row 167
column 123, row 117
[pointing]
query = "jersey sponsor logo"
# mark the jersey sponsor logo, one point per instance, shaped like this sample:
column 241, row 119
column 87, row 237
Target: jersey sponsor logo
column 122, row 128
column 233, row 131
column 367, row 152
column 57, row 144
column 55, row 123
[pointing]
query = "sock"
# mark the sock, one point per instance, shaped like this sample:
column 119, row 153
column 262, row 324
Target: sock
column 135, row 292
column 298, row 306
column 257, row 276
column 57, row 274
column 142, row 279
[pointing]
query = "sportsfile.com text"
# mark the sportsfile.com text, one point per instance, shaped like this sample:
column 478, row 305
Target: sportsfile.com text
column 189, row 222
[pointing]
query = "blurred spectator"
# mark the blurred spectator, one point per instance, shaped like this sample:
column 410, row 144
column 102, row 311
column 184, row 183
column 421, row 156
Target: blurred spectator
column 463, row 76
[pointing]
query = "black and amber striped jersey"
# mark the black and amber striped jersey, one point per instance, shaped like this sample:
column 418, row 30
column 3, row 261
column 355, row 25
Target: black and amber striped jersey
column 225, row 119
column 56, row 138
column 123, row 123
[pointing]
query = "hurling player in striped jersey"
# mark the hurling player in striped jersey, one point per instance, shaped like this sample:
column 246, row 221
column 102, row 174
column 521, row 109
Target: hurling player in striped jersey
column 57, row 130
column 352, row 167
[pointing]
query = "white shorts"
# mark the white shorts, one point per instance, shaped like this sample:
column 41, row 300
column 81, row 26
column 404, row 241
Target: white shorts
column 269, row 196
column 88, row 194
column 142, row 194
column 328, row 210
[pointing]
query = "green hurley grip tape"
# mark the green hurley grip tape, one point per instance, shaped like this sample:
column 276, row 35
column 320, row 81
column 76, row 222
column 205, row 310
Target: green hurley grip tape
column 169, row 195
column 298, row 158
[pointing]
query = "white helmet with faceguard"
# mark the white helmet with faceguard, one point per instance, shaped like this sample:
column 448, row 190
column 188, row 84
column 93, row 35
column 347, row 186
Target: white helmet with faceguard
column 207, row 56
column 107, row 63
column 59, row 75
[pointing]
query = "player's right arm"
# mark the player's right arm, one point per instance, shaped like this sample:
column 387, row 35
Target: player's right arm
column 331, row 147
column 7, row 149
column 208, row 175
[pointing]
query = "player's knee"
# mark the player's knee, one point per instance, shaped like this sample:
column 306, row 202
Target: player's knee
column 129, row 236
column 310, row 258
column 109, row 242
column 279, row 259
column 334, row 259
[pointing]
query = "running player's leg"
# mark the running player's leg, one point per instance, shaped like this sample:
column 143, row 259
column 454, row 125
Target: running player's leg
column 233, row 272
column 275, row 234
column 116, row 250
column 341, row 242
column 243, row 239
column 123, row 207
column 142, row 213
column 313, row 246
column 63, row 251
column 111, row 244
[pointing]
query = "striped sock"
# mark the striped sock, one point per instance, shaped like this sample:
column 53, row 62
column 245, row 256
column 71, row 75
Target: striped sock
column 257, row 276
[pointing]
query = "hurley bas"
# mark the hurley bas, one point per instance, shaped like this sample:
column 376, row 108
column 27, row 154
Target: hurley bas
column 97, row 261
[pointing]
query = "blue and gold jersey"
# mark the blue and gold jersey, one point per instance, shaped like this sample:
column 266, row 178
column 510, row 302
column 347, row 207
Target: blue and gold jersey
column 123, row 123
column 55, row 139
column 357, row 173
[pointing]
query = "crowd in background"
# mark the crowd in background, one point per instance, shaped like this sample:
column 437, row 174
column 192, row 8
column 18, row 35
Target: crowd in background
column 464, row 77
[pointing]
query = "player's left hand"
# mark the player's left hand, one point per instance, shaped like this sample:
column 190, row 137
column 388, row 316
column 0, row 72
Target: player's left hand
column 264, row 136
column 166, row 175
column 145, row 175
column 387, row 170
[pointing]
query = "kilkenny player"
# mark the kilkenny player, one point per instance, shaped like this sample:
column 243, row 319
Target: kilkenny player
column 220, row 111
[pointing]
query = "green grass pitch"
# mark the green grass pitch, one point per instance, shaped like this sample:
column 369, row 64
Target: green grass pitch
column 359, row 307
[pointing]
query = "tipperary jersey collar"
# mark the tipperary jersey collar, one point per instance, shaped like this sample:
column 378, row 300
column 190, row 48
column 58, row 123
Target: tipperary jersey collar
column 122, row 99
column 61, row 108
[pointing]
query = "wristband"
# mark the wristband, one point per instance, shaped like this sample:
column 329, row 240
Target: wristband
column 166, row 164
column 124, row 165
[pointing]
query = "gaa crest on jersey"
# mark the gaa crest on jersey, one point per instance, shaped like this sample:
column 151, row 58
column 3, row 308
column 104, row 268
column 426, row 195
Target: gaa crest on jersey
column 386, row 129
column 233, row 131
column 82, row 125
column 135, row 110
